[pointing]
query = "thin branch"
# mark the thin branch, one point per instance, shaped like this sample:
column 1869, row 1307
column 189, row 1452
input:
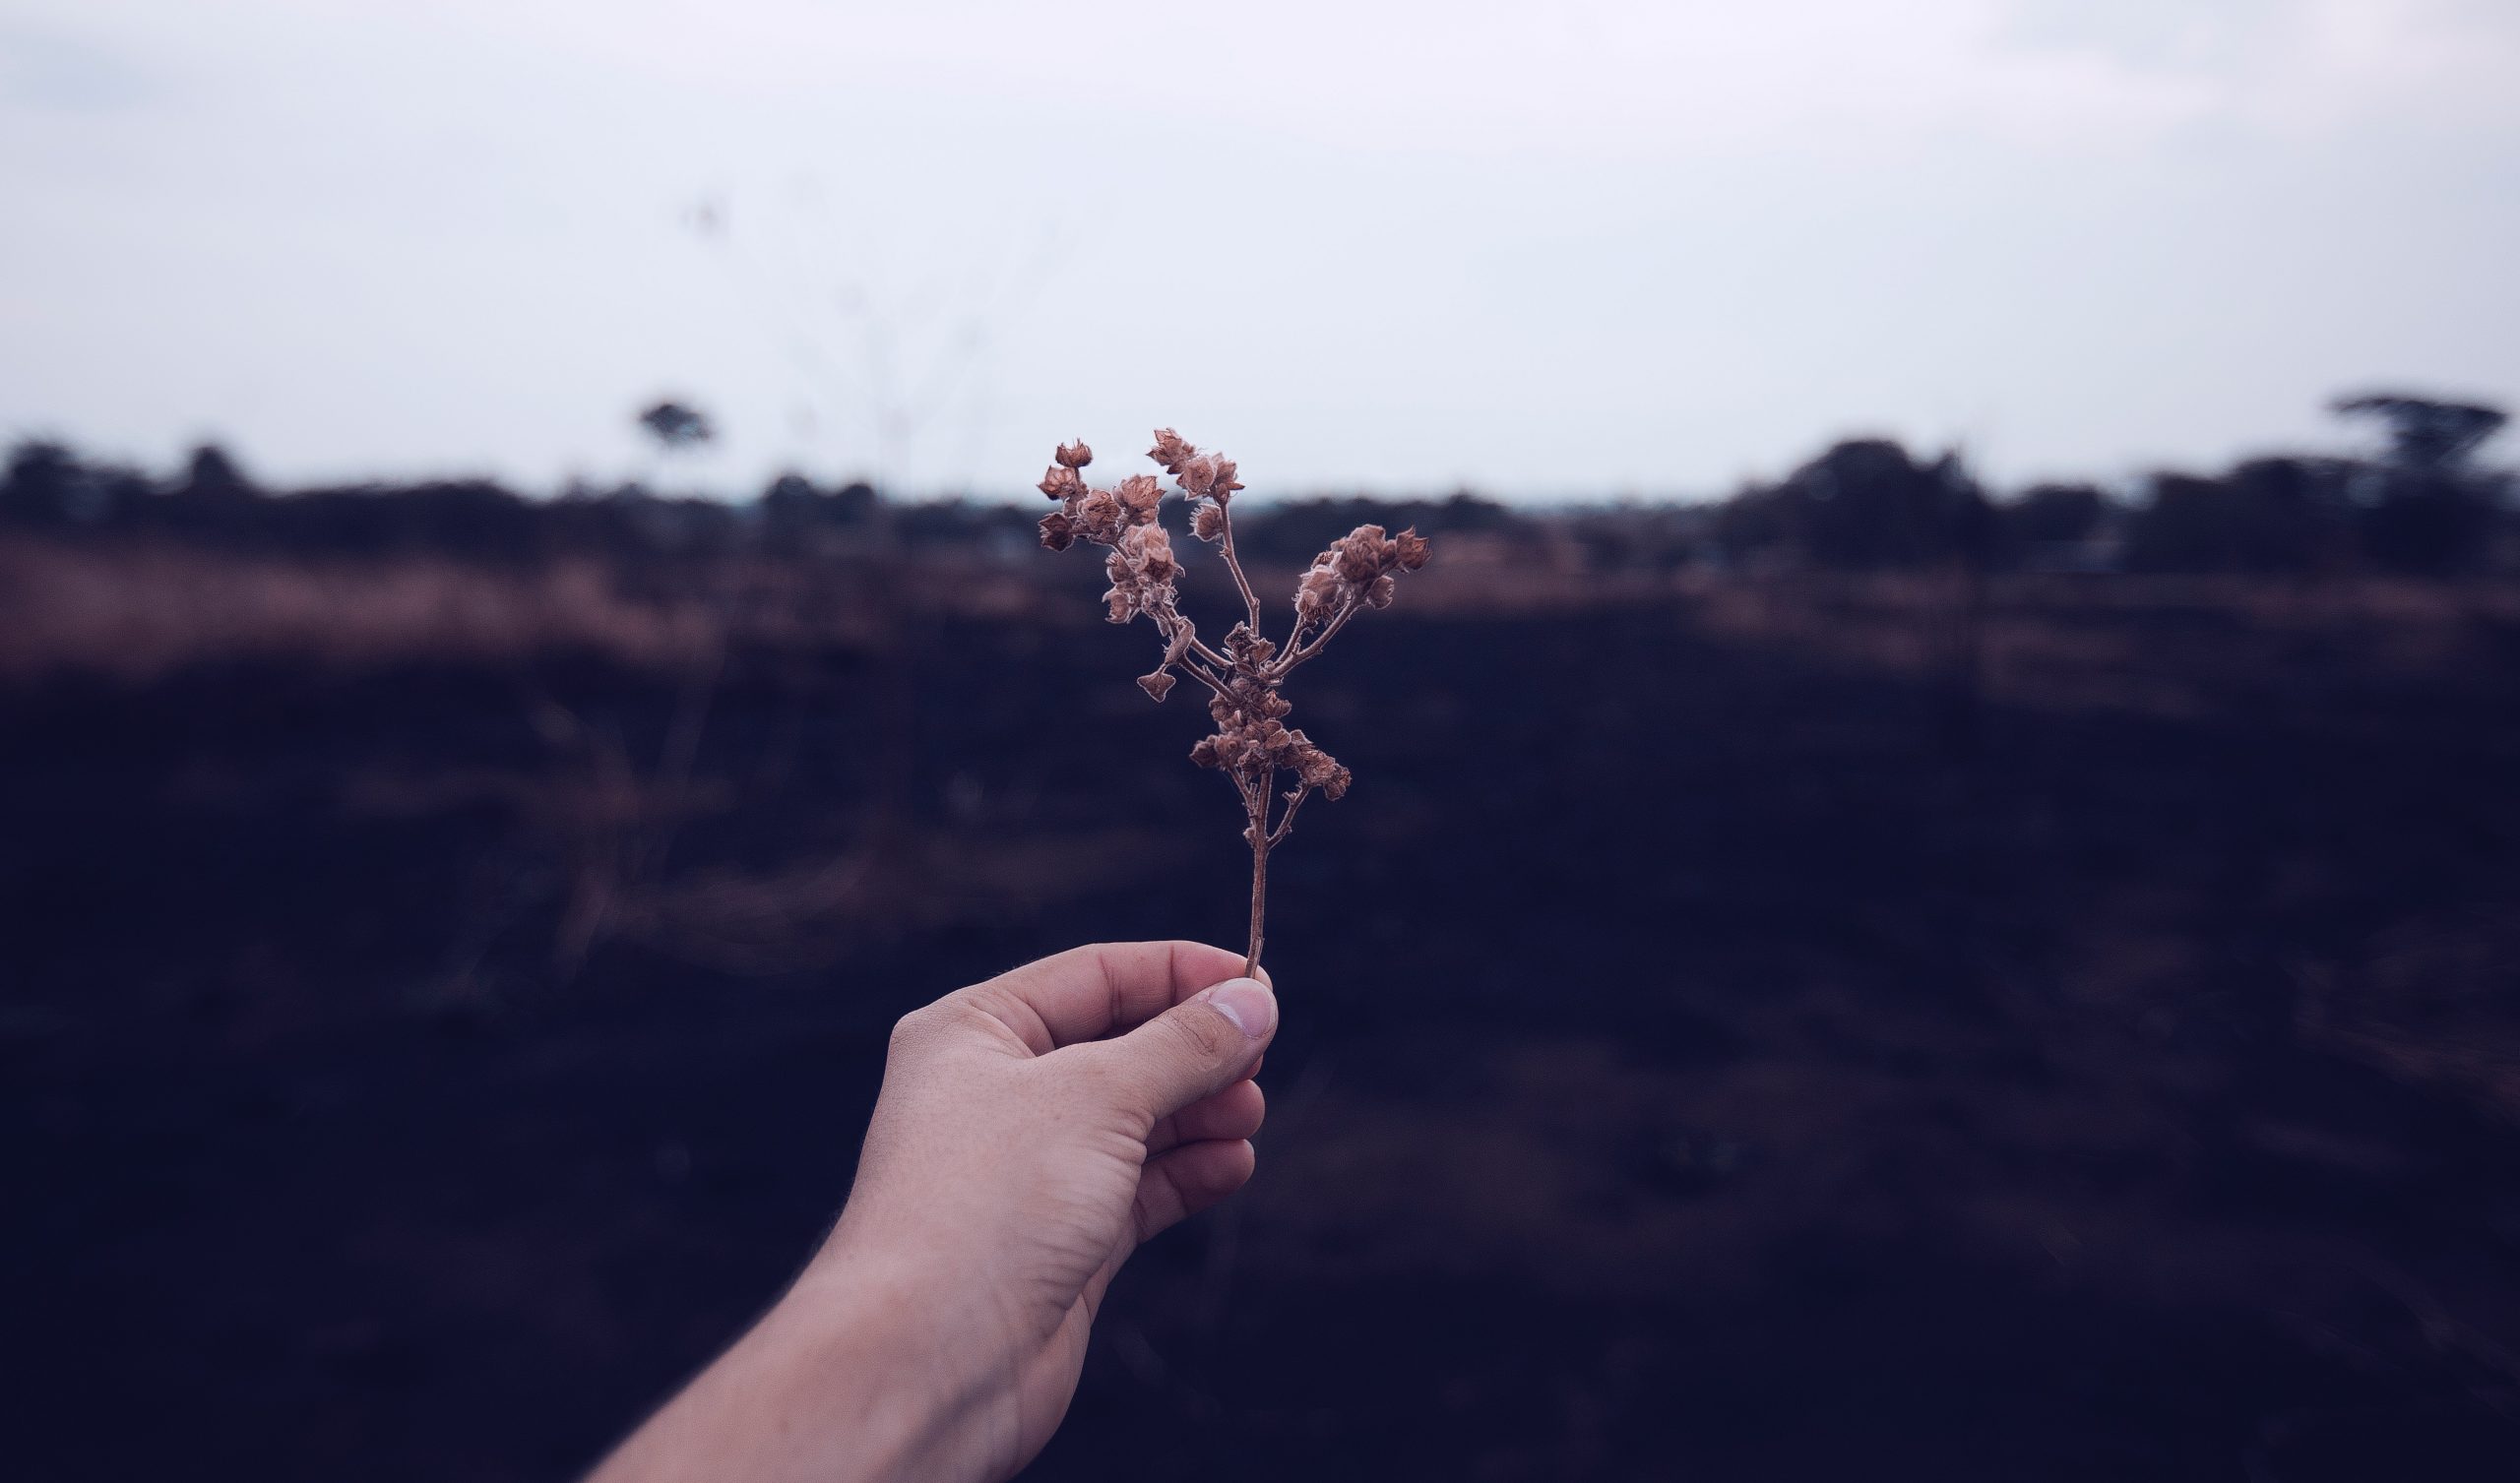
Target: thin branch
column 1255, row 807
column 1170, row 622
column 1200, row 647
column 1286, row 820
column 1201, row 674
column 1234, row 564
column 1302, row 652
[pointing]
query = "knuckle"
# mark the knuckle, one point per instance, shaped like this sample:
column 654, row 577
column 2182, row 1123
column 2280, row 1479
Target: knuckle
column 1201, row 1032
column 913, row 1030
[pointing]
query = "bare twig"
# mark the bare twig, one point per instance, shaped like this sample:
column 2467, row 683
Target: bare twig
column 1234, row 564
column 1252, row 743
column 1320, row 640
column 1287, row 820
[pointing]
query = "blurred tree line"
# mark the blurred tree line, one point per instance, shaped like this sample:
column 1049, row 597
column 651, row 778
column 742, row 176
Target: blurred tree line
column 2424, row 507
column 49, row 488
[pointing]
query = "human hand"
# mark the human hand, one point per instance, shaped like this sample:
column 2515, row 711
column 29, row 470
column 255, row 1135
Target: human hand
column 1016, row 1159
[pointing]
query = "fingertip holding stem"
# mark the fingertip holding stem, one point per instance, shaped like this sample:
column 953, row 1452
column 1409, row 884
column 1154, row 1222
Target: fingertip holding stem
column 1245, row 1003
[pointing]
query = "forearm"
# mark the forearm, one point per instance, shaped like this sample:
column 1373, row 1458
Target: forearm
column 832, row 1386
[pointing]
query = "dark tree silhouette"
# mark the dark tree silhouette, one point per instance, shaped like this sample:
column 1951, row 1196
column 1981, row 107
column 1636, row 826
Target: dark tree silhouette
column 49, row 485
column 2424, row 433
column 676, row 427
column 2435, row 514
column 41, row 479
column 212, row 474
column 2054, row 514
column 2266, row 516
column 793, row 504
column 1294, row 531
column 1865, row 505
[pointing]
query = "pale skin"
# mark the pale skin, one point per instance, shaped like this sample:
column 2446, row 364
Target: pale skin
column 1031, row 1130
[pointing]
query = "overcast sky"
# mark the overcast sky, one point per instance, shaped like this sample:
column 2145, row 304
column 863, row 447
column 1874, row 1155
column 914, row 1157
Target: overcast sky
column 1545, row 250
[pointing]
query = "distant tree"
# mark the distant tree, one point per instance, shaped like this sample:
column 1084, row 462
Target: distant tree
column 212, row 474
column 1755, row 525
column 2425, row 434
column 1865, row 505
column 1640, row 539
column 2056, row 514
column 2265, row 516
column 789, row 499
column 48, row 485
column 962, row 523
column 43, row 478
column 2429, row 522
column 1300, row 529
column 793, row 504
column 2435, row 514
column 2052, row 527
column 677, row 427
column 854, row 503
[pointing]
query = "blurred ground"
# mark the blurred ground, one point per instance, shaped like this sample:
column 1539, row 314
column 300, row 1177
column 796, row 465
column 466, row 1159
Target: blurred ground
column 1738, row 1027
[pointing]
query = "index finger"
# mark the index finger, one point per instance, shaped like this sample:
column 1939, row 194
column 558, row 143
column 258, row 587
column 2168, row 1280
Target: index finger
column 1089, row 992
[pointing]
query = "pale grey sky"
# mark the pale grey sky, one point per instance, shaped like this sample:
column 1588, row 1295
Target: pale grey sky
column 1546, row 250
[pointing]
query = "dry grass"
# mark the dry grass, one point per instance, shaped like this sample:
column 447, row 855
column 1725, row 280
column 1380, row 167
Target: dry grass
column 139, row 611
column 2168, row 646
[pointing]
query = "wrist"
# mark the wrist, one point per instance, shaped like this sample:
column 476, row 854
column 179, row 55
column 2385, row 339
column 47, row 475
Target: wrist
column 855, row 1341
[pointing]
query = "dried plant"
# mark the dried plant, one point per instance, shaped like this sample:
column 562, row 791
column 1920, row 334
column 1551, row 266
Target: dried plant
column 1252, row 743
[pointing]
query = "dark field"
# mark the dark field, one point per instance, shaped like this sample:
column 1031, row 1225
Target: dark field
column 1734, row 1029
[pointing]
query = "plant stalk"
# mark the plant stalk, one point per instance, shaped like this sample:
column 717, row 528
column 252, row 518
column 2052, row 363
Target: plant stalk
column 1259, row 899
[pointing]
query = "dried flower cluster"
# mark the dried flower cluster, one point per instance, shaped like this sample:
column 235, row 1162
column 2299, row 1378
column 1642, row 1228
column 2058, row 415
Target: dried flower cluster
column 1252, row 743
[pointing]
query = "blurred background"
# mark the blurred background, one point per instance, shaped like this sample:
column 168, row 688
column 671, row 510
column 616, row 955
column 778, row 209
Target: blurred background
column 1932, row 890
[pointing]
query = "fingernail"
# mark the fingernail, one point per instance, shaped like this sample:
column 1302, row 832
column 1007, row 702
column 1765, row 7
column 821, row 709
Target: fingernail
column 1247, row 1003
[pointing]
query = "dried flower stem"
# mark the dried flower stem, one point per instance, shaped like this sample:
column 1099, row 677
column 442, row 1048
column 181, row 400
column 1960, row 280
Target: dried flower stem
column 1225, row 547
column 1252, row 744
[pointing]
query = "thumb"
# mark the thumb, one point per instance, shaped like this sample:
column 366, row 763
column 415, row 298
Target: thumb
column 1198, row 1047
